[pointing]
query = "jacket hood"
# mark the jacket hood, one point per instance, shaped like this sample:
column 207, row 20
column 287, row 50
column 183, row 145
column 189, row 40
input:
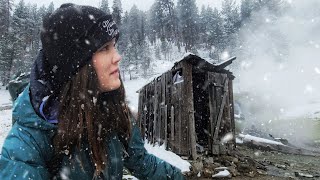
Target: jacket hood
column 41, row 88
column 24, row 113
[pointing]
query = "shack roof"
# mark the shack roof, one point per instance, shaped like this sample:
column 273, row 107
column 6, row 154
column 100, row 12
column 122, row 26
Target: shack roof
column 203, row 65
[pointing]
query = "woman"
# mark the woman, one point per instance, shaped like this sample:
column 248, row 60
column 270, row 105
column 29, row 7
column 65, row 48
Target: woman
column 72, row 121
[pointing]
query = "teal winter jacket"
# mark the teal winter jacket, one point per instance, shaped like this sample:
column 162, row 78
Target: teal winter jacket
column 28, row 150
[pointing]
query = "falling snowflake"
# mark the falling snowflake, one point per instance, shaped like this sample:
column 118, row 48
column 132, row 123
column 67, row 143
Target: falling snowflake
column 87, row 42
column 54, row 69
column 55, row 36
column 228, row 137
column 91, row 17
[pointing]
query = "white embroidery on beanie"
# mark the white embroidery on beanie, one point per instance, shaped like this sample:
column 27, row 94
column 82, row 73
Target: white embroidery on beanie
column 109, row 27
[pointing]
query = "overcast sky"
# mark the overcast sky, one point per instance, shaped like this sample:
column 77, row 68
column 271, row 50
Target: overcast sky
column 126, row 4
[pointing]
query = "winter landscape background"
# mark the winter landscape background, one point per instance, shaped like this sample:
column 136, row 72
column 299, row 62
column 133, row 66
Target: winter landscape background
column 277, row 44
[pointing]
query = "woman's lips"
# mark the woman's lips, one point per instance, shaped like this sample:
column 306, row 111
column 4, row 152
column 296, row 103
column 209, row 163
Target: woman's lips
column 115, row 71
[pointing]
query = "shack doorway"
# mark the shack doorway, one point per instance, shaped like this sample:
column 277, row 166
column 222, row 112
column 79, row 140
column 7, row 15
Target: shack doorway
column 201, row 108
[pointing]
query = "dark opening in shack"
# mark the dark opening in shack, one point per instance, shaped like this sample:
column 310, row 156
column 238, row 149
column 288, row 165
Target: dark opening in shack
column 201, row 108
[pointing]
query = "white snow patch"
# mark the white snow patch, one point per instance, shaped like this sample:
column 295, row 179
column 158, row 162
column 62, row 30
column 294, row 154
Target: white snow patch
column 186, row 54
column 5, row 125
column 129, row 177
column 224, row 173
column 247, row 137
column 5, row 97
column 168, row 156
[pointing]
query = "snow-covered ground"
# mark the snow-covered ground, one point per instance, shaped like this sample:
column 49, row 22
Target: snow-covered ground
column 5, row 115
column 4, row 97
column 5, row 124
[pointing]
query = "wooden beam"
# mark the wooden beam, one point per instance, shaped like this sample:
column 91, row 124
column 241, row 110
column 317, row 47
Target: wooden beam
column 189, row 108
column 172, row 123
column 217, row 128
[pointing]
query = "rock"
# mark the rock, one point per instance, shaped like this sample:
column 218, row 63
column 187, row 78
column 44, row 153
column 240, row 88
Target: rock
column 207, row 173
column 262, row 172
column 233, row 171
column 208, row 160
column 281, row 166
column 250, row 174
column 212, row 166
column 244, row 168
column 197, row 166
column 298, row 174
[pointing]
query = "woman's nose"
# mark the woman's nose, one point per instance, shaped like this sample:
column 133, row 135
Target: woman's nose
column 117, row 57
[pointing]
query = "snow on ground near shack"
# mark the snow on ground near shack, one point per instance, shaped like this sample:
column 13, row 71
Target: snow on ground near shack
column 248, row 137
column 168, row 156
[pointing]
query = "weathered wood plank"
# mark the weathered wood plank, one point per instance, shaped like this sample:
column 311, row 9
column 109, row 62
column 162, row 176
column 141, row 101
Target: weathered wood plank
column 166, row 126
column 217, row 128
column 213, row 111
column 233, row 128
column 155, row 96
column 172, row 123
column 187, row 97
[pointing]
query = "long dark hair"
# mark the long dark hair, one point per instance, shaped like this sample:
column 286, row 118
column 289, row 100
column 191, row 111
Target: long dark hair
column 86, row 113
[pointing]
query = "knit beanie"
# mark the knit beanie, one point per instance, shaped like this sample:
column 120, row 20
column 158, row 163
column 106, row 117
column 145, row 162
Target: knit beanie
column 70, row 36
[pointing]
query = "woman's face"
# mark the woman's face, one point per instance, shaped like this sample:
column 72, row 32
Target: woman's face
column 106, row 64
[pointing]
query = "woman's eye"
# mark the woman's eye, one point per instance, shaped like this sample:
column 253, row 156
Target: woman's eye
column 105, row 48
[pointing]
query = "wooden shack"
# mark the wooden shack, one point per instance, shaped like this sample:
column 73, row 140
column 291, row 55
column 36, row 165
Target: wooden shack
column 190, row 108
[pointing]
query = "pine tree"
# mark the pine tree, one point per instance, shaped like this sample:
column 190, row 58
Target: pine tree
column 42, row 12
column 163, row 16
column 105, row 6
column 5, row 44
column 5, row 8
column 231, row 17
column 117, row 11
column 215, row 41
column 188, row 18
column 36, row 21
column 246, row 8
column 50, row 8
column 22, row 29
column 203, row 25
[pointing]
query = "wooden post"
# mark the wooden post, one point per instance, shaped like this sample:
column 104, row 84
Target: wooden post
column 213, row 114
column 187, row 97
column 215, row 136
column 155, row 105
column 172, row 123
column 217, row 128
column 233, row 128
column 166, row 126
